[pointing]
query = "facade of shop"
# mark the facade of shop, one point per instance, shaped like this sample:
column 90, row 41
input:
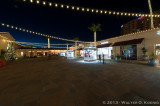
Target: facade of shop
column 6, row 41
column 38, row 52
column 130, row 46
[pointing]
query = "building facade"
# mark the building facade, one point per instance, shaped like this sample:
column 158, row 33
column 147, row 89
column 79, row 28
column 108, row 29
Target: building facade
column 140, row 24
column 130, row 46
column 6, row 41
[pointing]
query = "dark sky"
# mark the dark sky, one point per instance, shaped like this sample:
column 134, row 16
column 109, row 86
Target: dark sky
column 67, row 23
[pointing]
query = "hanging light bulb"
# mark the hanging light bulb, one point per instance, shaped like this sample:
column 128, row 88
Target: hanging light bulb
column 96, row 11
column 101, row 11
column 62, row 6
column 37, row 2
column 50, row 4
column 67, row 6
column 82, row 9
column 105, row 12
column 56, row 5
column 44, row 3
column 92, row 10
column 77, row 8
column 72, row 7
column 31, row 1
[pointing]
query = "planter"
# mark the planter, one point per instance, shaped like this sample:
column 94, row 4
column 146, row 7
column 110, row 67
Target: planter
column 117, row 59
column 153, row 62
column 144, row 58
column 2, row 62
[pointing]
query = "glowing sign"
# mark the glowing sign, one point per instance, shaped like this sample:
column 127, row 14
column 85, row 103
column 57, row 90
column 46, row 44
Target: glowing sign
column 158, row 32
column 140, row 17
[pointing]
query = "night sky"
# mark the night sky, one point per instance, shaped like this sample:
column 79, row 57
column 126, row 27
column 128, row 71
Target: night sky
column 68, row 23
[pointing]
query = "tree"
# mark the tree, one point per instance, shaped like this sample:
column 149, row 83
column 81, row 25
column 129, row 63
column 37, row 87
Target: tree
column 76, row 40
column 95, row 28
column 151, row 13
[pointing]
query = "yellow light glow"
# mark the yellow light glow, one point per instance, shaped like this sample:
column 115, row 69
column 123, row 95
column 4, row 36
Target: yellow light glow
column 44, row 3
column 96, row 11
column 37, row 2
column 105, row 12
column 77, row 8
column 82, row 9
column 24, row 30
column 3, row 24
column 125, row 14
column 117, row 13
column 101, row 11
column 7, row 25
column 92, row 10
column 24, row 0
column 31, row 1
column 12, row 26
column 56, row 5
column 110, row 12
column 20, row 28
column 114, row 12
column 87, row 9
column 50, row 4
column 67, row 6
column 62, row 6
column 16, row 28
column 72, row 7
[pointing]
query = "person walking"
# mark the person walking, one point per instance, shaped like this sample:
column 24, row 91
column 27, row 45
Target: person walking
column 99, row 58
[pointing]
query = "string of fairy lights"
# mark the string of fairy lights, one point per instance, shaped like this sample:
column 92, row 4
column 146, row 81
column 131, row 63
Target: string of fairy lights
column 37, row 33
column 91, row 10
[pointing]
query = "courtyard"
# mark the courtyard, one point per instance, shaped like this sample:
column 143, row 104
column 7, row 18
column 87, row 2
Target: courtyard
column 70, row 82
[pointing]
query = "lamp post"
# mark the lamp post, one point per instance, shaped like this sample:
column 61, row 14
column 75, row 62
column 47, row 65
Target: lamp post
column 151, row 13
column 48, row 42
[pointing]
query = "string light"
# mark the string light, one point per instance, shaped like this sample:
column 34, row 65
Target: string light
column 77, row 8
column 62, row 6
column 37, row 2
column 31, row 1
column 92, row 10
column 56, row 5
column 32, row 32
column 67, row 6
column 44, row 3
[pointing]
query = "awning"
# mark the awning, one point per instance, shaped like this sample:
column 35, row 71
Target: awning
column 104, row 45
column 129, row 42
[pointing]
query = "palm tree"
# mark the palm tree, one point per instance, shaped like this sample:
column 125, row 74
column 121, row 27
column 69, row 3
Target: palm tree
column 76, row 40
column 151, row 13
column 67, row 45
column 95, row 28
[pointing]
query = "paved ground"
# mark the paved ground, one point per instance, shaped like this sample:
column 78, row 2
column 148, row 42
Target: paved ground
column 61, row 82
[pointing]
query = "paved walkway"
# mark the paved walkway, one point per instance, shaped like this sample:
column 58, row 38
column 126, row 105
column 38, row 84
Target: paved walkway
column 62, row 82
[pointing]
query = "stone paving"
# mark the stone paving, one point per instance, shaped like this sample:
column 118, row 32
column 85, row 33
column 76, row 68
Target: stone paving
column 63, row 82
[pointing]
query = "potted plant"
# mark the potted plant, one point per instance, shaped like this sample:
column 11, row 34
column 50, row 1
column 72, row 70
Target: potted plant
column 118, row 58
column 144, row 57
column 2, row 60
column 153, row 61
